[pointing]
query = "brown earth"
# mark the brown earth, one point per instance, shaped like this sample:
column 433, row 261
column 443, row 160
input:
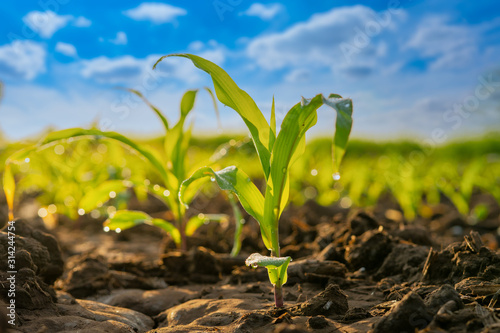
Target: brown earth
column 352, row 271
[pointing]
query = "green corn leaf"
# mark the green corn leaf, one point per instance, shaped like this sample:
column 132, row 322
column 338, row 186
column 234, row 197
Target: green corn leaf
column 99, row 195
column 126, row 219
column 9, row 187
column 9, row 184
column 154, row 108
column 239, row 221
column 80, row 132
column 343, row 127
column 169, row 228
column 187, row 102
column 216, row 107
column 258, row 260
column 276, row 266
column 298, row 120
column 231, row 95
column 273, row 126
column 197, row 221
column 238, row 182
column 177, row 140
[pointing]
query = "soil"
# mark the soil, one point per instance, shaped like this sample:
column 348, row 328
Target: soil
column 352, row 271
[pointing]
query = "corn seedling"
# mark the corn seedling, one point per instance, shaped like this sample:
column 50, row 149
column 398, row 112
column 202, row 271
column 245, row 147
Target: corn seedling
column 276, row 152
column 172, row 170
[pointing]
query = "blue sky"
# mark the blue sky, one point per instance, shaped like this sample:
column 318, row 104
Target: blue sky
column 421, row 69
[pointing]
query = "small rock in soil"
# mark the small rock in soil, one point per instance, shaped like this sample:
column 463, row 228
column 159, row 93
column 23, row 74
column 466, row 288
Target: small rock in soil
column 406, row 316
column 355, row 314
column 317, row 322
column 405, row 260
column 369, row 250
column 251, row 321
column 438, row 298
column 331, row 301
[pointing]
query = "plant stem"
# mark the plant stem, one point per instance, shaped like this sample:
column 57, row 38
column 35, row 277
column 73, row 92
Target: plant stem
column 278, row 295
column 278, row 287
column 238, row 220
column 182, row 231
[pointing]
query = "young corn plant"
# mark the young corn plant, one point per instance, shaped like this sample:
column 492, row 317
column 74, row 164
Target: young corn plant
column 276, row 152
column 172, row 170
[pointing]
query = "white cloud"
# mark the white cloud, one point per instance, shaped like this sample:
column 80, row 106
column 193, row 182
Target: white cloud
column 46, row 23
column 264, row 12
column 22, row 59
column 317, row 41
column 120, row 39
column 130, row 70
column 298, row 75
column 157, row 13
column 66, row 49
column 452, row 46
column 196, row 45
column 82, row 22
column 104, row 69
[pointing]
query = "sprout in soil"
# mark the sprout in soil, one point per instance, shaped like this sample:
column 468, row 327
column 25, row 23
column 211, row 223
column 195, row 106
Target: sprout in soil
column 277, row 152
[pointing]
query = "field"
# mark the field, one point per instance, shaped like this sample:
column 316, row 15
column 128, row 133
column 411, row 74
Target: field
column 407, row 238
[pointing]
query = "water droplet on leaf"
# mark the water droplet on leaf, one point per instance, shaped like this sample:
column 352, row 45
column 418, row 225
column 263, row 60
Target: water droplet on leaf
column 336, row 176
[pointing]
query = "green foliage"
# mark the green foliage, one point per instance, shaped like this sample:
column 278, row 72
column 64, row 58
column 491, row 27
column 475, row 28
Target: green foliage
column 172, row 169
column 276, row 152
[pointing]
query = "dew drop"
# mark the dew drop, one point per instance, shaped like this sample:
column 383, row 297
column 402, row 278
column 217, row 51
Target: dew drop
column 112, row 194
column 52, row 209
column 27, row 160
column 81, row 212
column 336, row 176
column 59, row 149
column 42, row 212
column 118, row 230
column 212, row 179
column 95, row 214
column 106, row 229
